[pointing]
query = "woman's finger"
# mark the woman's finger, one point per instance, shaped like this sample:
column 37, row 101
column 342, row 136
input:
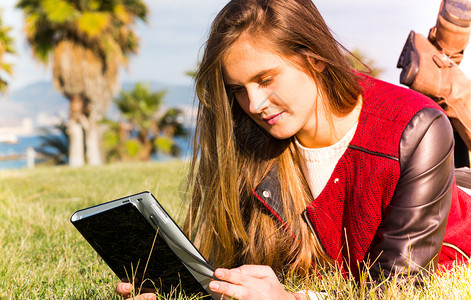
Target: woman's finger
column 124, row 289
column 233, row 276
column 256, row 271
column 147, row 296
column 231, row 290
column 242, row 274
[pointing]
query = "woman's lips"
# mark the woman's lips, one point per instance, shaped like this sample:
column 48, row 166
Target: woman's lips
column 273, row 119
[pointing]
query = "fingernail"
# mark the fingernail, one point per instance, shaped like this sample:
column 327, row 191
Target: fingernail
column 127, row 287
column 214, row 286
column 219, row 273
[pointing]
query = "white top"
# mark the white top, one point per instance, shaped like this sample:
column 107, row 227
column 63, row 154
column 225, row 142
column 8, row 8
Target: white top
column 318, row 164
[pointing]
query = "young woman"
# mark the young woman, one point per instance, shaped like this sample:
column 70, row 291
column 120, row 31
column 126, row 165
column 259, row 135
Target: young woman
column 300, row 161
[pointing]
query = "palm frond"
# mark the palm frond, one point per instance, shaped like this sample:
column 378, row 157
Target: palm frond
column 58, row 11
column 93, row 23
column 54, row 146
column 6, row 47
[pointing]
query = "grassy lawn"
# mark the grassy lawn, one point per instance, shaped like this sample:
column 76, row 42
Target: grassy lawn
column 42, row 256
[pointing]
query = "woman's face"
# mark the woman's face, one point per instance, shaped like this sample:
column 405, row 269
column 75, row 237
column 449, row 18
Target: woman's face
column 275, row 93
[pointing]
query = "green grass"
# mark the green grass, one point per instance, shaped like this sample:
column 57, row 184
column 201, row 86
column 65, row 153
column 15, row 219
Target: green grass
column 42, row 256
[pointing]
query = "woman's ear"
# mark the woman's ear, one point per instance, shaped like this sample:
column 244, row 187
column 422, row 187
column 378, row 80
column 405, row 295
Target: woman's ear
column 319, row 66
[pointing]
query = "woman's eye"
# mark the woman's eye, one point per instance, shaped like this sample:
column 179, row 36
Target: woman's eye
column 265, row 82
column 236, row 89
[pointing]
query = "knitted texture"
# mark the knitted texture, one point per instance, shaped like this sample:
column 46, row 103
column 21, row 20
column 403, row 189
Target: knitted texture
column 319, row 163
column 348, row 212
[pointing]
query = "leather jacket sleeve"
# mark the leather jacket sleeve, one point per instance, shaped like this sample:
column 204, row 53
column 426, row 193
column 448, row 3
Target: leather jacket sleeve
column 413, row 227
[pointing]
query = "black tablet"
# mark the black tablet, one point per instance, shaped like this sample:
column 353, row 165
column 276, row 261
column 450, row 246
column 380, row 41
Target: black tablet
column 141, row 243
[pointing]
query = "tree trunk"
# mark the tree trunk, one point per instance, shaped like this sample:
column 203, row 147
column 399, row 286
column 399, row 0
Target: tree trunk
column 145, row 153
column 76, row 153
column 75, row 132
column 92, row 143
column 122, row 136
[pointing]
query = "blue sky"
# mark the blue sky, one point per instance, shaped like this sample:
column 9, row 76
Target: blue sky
column 173, row 38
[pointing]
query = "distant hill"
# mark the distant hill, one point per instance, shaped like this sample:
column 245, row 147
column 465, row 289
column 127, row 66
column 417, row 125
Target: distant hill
column 30, row 102
column 41, row 103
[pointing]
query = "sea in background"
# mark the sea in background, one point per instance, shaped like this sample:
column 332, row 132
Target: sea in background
column 39, row 105
column 18, row 151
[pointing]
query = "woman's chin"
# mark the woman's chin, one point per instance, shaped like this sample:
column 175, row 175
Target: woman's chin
column 281, row 135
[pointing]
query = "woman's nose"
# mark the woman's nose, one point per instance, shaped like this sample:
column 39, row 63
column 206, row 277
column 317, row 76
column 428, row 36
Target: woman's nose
column 258, row 100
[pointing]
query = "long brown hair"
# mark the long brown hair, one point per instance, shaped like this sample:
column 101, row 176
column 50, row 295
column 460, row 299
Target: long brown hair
column 231, row 154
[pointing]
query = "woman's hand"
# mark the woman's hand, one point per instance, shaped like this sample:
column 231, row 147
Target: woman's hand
column 124, row 289
column 249, row 282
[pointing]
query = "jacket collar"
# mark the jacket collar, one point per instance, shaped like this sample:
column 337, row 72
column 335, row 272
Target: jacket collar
column 268, row 192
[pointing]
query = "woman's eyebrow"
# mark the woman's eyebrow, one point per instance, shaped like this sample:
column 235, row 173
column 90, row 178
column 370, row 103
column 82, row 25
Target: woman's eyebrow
column 257, row 76
column 264, row 73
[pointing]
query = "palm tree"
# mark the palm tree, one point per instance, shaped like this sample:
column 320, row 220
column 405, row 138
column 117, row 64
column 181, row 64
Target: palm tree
column 140, row 109
column 6, row 46
column 54, row 147
column 88, row 41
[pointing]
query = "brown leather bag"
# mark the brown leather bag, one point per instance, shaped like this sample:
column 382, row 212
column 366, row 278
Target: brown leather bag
column 430, row 65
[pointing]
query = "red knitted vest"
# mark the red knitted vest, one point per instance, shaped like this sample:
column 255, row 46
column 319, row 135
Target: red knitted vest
column 348, row 212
